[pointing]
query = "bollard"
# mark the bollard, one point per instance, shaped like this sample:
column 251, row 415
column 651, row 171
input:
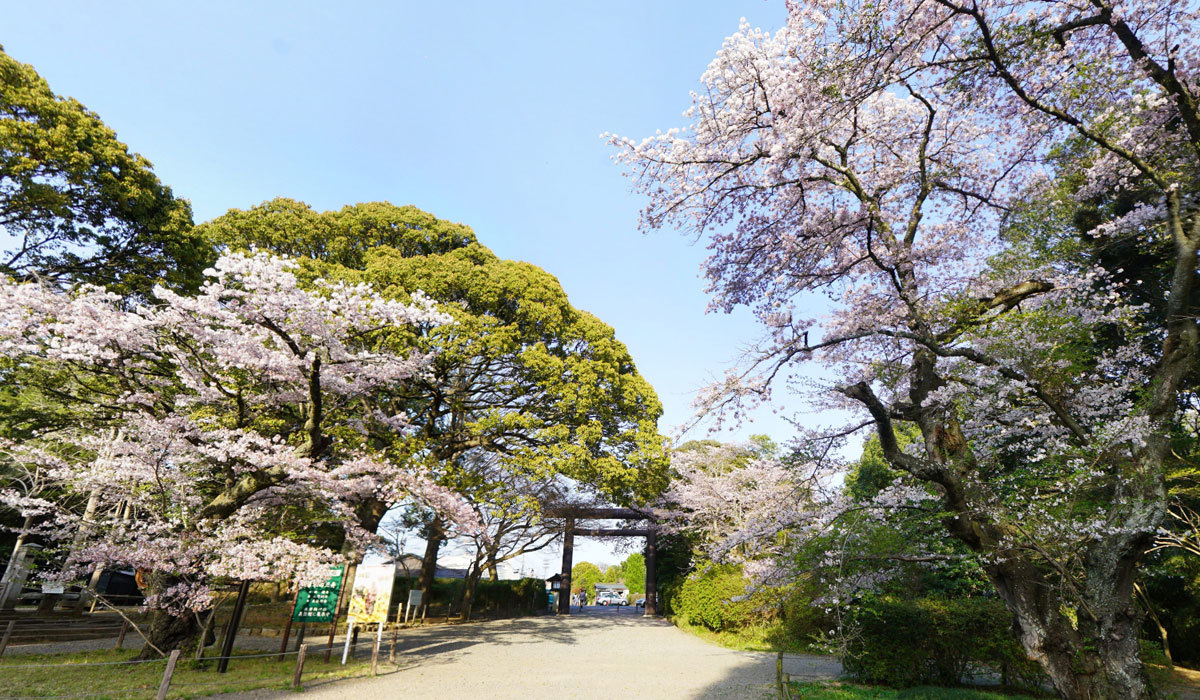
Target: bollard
column 7, row 636
column 121, row 634
column 392, row 652
column 375, row 658
column 299, row 666
column 167, row 673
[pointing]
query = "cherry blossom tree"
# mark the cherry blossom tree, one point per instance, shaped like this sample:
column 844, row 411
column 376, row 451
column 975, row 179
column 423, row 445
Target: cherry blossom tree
column 511, row 504
column 872, row 152
column 520, row 373
column 228, row 438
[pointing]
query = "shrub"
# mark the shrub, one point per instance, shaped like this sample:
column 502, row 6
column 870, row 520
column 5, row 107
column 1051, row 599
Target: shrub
column 522, row 596
column 715, row 596
column 932, row 641
column 802, row 622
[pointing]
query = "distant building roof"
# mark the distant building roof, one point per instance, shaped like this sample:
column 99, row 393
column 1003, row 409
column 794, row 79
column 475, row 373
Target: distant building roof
column 409, row 565
column 611, row 587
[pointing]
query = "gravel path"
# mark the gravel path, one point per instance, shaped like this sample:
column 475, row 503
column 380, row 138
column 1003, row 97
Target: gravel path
column 603, row 653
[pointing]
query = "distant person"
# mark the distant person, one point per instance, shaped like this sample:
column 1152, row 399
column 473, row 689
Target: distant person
column 582, row 600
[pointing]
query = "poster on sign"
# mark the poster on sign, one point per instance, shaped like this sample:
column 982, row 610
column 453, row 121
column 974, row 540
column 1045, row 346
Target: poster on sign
column 371, row 595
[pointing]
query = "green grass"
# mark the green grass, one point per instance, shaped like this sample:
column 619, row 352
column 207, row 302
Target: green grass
column 846, row 691
column 81, row 674
column 768, row 637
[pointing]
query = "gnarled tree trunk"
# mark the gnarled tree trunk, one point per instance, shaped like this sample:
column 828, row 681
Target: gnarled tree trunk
column 168, row 632
column 1088, row 643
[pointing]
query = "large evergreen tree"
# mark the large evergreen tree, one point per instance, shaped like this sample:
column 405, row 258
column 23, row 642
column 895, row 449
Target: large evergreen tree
column 76, row 205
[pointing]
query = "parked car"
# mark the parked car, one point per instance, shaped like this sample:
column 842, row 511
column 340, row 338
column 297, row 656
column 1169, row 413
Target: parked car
column 610, row 598
column 641, row 603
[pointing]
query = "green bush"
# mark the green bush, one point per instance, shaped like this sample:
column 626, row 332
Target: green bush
column 932, row 641
column 1152, row 653
column 715, row 596
column 801, row 621
column 522, row 596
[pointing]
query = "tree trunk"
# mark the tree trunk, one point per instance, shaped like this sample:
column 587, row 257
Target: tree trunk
column 470, row 585
column 1085, row 640
column 433, row 541
column 168, row 632
column 1077, row 619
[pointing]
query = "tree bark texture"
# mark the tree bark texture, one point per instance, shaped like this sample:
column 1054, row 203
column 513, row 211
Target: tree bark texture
column 433, row 542
column 168, row 632
column 1081, row 625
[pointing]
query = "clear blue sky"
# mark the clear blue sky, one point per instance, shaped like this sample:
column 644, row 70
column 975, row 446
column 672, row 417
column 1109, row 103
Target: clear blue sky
column 487, row 113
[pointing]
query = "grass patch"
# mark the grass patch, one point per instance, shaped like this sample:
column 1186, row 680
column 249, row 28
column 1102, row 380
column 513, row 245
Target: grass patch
column 1174, row 680
column 848, row 691
column 84, row 673
column 768, row 637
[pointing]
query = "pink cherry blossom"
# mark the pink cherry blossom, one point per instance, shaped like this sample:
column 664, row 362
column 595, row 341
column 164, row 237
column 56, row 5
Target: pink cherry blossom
column 183, row 482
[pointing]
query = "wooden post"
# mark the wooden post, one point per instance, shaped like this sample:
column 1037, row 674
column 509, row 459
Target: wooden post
column 395, row 638
column 299, row 666
column 564, row 587
column 300, row 638
column 7, row 636
column 375, row 658
column 234, row 623
column 336, row 608
column 779, row 674
column 287, row 625
column 167, row 673
column 124, row 629
column 651, row 574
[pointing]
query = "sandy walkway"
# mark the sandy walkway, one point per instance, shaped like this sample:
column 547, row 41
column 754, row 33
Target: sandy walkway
column 609, row 653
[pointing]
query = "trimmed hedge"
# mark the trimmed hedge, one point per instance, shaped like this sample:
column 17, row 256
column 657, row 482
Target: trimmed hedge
column 931, row 641
column 522, row 596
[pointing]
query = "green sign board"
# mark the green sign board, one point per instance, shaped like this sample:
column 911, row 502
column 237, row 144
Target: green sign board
column 318, row 603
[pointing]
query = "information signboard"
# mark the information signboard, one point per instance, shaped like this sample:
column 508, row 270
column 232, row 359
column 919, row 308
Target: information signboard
column 318, row 603
column 371, row 594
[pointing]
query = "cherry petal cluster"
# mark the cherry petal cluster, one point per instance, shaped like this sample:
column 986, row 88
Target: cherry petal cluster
column 184, row 482
column 856, row 175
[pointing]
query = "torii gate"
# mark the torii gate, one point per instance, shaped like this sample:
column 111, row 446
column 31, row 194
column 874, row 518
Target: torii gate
column 572, row 513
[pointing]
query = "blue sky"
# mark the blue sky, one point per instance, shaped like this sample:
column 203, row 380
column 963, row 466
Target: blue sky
column 485, row 113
